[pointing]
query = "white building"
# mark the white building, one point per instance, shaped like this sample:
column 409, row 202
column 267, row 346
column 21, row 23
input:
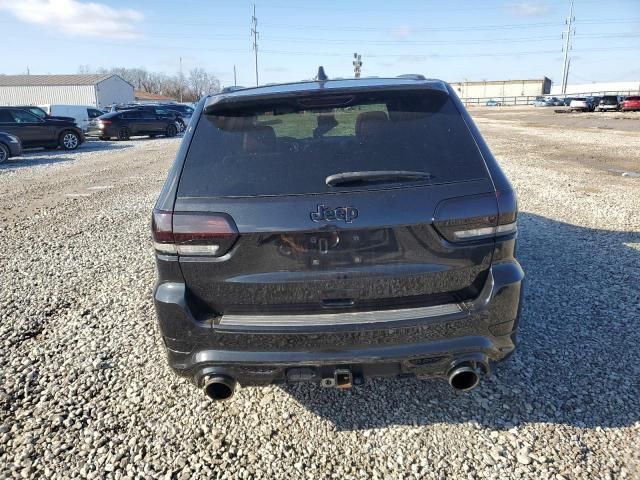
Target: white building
column 622, row 88
column 502, row 88
column 96, row 90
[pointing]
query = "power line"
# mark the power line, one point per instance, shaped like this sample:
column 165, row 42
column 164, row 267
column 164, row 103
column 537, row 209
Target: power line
column 451, row 28
column 416, row 10
column 315, row 41
column 445, row 56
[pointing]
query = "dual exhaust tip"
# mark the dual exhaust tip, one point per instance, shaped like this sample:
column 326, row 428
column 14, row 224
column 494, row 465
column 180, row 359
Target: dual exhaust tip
column 462, row 377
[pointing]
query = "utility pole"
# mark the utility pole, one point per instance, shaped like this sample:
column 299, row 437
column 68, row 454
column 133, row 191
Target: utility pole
column 567, row 46
column 254, row 32
column 235, row 79
column 566, row 76
column 181, row 80
column 357, row 65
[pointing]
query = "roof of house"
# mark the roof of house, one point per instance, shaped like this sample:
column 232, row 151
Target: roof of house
column 140, row 95
column 52, row 80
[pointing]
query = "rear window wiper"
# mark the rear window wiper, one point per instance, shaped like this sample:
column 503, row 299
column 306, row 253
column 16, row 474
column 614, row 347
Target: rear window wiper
column 346, row 178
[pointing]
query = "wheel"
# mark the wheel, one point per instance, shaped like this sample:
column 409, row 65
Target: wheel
column 4, row 153
column 172, row 130
column 152, row 136
column 123, row 133
column 69, row 140
column 105, row 138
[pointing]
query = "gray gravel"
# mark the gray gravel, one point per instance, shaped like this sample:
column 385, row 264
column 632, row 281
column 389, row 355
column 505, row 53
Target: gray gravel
column 85, row 390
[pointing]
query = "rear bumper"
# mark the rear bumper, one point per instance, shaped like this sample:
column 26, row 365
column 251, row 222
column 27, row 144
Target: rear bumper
column 483, row 330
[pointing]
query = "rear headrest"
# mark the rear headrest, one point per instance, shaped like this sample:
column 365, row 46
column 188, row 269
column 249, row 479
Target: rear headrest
column 370, row 123
column 259, row 140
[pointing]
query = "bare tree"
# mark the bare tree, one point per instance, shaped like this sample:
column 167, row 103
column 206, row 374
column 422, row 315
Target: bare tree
column 197, row 84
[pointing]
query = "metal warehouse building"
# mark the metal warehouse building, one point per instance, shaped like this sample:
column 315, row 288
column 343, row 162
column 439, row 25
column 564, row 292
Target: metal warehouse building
column 95, row 90
column 502, row 88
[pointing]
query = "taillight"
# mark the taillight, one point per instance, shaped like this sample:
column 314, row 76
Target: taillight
column 104, row 122
column 477, row 217
column 193, row 234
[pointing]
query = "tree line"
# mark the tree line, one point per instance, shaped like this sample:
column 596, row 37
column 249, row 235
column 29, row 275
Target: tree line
column 187, row 88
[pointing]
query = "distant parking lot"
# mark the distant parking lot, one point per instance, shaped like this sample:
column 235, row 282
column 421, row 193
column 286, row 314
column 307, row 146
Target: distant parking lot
column 86, row 392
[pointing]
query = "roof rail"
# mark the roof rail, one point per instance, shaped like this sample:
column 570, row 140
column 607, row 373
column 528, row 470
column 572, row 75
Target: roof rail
column 413, row 76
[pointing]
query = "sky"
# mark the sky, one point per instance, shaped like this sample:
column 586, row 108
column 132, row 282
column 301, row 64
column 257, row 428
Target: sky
column 454, row 40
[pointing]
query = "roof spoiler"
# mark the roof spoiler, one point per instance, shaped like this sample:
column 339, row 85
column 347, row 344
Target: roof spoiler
column 224, row 102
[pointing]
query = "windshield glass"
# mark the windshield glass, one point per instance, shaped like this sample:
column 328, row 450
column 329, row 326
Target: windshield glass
column 287, row 148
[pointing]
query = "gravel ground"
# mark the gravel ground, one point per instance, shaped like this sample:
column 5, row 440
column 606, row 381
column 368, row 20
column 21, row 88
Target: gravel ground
column 85, row 390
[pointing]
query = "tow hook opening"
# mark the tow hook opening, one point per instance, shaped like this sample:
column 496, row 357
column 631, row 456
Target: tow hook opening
column 343, row 378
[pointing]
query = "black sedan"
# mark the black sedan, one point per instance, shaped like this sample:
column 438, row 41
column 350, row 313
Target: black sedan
column 130, row 123
column 40, row 132
column 10, row 146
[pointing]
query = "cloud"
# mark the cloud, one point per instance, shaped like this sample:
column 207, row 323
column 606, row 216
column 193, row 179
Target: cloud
column 76, row 18
column 401, row 32
column 530, row 9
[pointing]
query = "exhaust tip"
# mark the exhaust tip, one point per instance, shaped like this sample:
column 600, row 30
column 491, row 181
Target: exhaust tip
column 464, row 378
column 219, row 388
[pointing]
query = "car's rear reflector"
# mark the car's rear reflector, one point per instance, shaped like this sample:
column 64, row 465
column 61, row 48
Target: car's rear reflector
column 476, row 233
column 193, row 234
column 477, row 217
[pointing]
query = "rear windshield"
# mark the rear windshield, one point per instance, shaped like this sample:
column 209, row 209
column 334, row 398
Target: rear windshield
column 291, row 147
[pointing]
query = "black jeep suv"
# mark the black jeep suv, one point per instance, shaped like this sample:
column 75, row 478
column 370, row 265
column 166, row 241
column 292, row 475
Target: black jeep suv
column 330, row 231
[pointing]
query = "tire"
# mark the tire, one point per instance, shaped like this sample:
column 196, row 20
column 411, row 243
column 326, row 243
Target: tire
column 124, row 134
column 105, row 138
column 69, row 140
column 172, row 130
column 4, row 153
column 152, row 136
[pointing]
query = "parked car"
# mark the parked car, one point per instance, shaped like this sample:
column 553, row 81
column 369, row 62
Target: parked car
column 10, row 146
column 131, row 123
column 566, row 101
column 580, row 104
column 34, row 131
column 541, row 102
column 493, row 103
column 556, row 102
column 81, row 114
column 185, row 111
column 308, row 232
column 631, row 103
column 41, row 113
column 609, row 102
column 156, row 110
column 593, row 103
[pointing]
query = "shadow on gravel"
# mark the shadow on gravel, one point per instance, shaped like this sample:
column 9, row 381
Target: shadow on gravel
column 577, row 363
column 35, row 157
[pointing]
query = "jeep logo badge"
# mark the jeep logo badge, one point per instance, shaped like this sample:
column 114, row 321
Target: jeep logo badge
column 346, row 214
